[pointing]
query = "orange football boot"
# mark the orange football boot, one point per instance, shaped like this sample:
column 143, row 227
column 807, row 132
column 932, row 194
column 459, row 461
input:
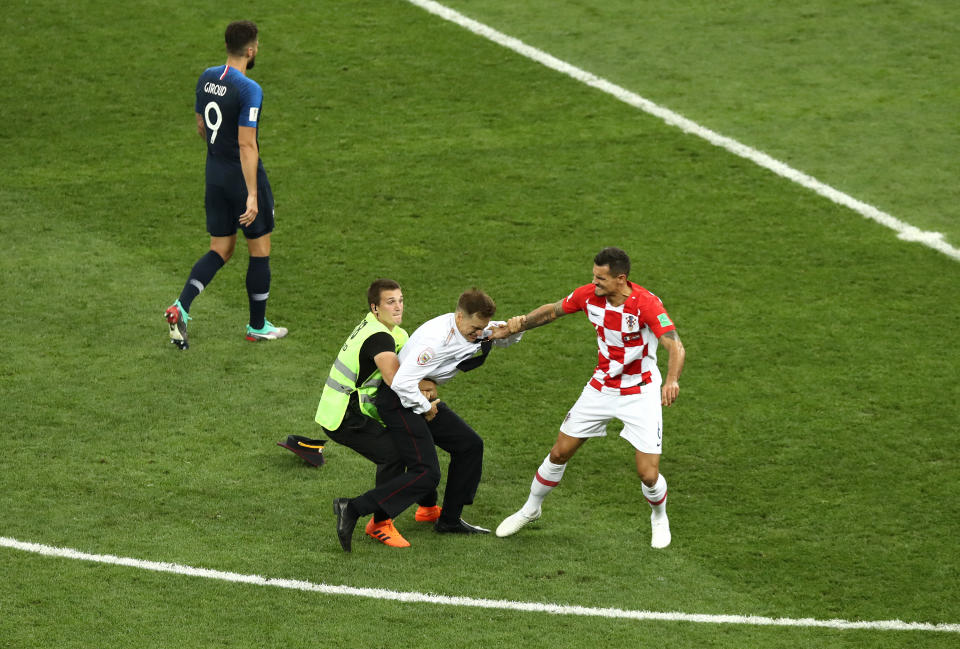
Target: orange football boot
column 427, row 514
column 386, row 533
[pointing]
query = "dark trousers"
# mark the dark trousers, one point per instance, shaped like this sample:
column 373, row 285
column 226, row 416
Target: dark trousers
column 368, row 438
column 371, row 440
column 415, row 439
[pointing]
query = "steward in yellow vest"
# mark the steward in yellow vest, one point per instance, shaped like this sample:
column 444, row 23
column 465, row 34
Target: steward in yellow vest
column 367, row 360
column 346, row 378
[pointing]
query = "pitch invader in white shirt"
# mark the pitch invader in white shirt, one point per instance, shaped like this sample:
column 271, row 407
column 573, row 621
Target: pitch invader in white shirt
column 438, row 350
column 630, row 321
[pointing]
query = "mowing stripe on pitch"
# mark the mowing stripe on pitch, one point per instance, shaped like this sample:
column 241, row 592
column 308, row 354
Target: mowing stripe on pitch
column 500, row 604
column 904, row 231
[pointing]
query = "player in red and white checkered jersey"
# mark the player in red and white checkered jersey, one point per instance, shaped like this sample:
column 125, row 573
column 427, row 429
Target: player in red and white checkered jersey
column 630, row 322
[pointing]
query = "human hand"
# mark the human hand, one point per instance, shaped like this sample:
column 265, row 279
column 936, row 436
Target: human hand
column 430, row 414
column 669, row 392
column 428, row 388
column 517, row 323
column 252, row 209
column 499, row 332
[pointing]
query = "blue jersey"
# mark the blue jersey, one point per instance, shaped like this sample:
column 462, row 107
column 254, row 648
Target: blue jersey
column 226, row 100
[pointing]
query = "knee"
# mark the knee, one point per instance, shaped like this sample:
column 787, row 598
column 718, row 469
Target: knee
column 564, row 448
column 560, row 454
column 422, row 478
column 648, row 475
column 476, row 446
column 389, row 468
column 259, row 247
column 431, row 476
column 225, row 252
column 425, row 474
column 468, row 446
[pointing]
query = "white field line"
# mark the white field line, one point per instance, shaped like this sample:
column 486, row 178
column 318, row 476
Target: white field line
column 904, row 231
column 499, row 604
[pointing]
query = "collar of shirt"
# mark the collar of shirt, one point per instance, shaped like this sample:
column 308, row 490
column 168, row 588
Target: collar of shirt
column 454, row 334
column 433, row 351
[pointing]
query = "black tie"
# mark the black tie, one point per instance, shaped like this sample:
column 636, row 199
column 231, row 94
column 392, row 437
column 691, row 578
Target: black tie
column 474, row 362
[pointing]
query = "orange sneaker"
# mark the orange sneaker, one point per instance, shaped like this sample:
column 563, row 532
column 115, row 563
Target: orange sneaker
column 427, row 514
column 386, row 533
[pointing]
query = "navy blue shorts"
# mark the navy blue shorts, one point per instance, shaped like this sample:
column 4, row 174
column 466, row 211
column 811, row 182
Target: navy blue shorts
column 226, row 204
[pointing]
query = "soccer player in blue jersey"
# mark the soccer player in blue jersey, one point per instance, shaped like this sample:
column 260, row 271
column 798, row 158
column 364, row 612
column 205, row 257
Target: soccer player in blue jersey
column 238, row 193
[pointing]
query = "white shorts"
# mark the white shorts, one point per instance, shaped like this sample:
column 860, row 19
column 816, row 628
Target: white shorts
column 641, row 414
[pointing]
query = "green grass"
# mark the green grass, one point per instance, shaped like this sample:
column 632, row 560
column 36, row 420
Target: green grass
column 811, row 456
column 857, row 94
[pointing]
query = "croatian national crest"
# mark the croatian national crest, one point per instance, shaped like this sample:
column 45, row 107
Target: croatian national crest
column 631, row 322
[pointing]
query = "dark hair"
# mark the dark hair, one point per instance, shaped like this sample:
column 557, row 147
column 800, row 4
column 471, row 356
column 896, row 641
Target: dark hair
column 616, row 259
column 476, row 302
column 239, row 36
column 377, row 288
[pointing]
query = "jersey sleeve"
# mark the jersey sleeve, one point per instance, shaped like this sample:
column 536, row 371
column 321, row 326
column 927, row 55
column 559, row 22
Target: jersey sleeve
column 376, row 344
column 655, row 316
column 422, row 360
column 577, row 301
column 251, row 100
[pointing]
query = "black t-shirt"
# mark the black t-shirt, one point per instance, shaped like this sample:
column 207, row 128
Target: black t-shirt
column 375, row 344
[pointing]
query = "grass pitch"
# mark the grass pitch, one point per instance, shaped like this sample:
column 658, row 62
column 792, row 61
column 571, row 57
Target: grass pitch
column 811, row 456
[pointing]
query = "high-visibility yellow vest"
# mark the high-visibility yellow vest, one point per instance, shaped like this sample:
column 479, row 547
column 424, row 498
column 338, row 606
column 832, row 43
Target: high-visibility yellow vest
column 342, row 381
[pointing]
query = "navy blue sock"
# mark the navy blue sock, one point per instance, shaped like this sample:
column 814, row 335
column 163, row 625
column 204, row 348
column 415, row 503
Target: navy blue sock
column 258, row 289
column 201, row 275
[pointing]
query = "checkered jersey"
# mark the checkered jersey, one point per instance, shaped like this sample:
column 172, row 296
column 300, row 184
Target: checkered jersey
column 626, row 335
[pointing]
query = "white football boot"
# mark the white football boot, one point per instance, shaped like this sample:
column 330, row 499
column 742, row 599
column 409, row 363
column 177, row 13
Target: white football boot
column 512, row 524
column 660, row 525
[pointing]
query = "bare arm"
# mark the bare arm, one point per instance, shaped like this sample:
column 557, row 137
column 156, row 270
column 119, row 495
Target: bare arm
column 678, row 355
column 388, row 364
column 200, row 127
column 536, row 318
column 249, row 157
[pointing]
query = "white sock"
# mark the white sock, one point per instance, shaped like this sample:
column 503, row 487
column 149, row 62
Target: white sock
column 547, row 477
column 656, row 496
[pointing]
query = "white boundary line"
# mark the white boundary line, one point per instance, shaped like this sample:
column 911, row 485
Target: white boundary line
column 499, row 604
column 904, row 231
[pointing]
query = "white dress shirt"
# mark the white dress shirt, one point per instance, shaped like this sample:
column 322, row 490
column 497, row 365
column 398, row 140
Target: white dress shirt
column 433, row 352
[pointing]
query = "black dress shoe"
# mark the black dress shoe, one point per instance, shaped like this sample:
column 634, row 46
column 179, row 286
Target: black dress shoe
column 460, row 527
column 345, row 522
